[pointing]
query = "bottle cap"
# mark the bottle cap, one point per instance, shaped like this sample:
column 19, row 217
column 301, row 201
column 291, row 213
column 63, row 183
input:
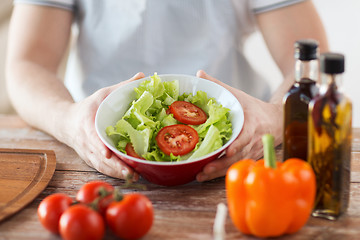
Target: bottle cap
column 306, row 49
column 332, row 63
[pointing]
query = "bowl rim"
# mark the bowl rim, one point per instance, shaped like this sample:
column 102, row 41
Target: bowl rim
column 121, row 155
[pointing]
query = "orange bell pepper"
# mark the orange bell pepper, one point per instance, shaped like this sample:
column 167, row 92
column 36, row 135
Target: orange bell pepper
column 268, row 198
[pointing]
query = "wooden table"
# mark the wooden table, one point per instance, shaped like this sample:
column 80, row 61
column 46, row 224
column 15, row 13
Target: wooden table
column 181, row 212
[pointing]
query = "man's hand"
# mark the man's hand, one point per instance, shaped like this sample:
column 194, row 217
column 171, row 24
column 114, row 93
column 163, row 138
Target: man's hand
column 260, row 118
column 82, row 137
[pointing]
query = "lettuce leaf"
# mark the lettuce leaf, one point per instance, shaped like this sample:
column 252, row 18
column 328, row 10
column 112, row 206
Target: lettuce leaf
column 216, row 113
column 136, row 115
column 139, row 138
column 211, row 142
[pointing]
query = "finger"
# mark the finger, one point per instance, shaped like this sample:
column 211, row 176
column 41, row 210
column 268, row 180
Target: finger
column 203, row 74
column 240, row 142
column 137, row 76
column 112, row 166
column 102, row 159
column 102, row 149
column 217, row 168
column 108, row 90
column 97, row 145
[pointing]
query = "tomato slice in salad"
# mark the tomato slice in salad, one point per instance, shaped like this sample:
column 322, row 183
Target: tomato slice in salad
column 177, row 139
column 187, row 113
column 131, row 151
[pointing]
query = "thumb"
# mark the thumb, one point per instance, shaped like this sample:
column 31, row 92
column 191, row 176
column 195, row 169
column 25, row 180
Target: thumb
column 203, row 74
column 137, row 76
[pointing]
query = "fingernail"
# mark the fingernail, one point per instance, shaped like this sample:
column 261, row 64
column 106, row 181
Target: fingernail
column 200, row 73
column 135, row 75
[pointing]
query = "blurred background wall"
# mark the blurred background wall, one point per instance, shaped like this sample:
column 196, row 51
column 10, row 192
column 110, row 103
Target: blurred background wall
column 5, row 12
column 342, row 23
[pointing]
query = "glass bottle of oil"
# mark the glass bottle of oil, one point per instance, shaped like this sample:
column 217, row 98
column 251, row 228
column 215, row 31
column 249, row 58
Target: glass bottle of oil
column 330, row 134
column 296, row 100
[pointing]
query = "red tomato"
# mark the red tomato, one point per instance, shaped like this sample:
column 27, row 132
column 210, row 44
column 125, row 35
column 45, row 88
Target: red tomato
column 50, row 210
column 131, row 152
column 187, row 113
column 177, row 139
column 91, row 190
column 168, row 111
column 130, row 218
column 80, row 222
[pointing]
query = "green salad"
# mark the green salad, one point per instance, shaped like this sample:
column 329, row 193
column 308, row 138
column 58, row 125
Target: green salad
column 149, row 114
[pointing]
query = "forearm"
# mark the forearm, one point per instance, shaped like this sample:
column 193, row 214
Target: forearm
column 39, row 97
column 279, row 93
column 281, row 28
column 38, row 39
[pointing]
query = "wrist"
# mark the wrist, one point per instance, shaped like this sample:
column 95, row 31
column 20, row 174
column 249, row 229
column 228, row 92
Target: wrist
column 275, row 115
column 62, row 122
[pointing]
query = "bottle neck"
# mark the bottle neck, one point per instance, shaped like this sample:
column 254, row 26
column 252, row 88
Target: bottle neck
column 333, row 80
column 306, row 69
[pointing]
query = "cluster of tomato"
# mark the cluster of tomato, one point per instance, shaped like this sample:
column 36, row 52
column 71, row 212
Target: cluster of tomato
column 97, row 205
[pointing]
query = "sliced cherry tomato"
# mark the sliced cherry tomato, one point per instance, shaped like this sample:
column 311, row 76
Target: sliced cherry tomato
column 168, row 111
column 131, row 151
column 80, row 222
column 50, row 210
column 177, row 139
column 93, row 190
column 187, row 113
column 130, row 218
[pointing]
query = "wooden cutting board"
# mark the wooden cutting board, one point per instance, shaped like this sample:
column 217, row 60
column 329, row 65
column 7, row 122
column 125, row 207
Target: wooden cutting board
column 24, row 174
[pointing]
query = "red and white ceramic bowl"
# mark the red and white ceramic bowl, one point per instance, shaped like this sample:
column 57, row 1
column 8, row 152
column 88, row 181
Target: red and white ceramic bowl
column 167, row 173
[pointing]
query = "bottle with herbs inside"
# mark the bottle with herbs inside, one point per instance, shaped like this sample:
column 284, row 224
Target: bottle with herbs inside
column 330, row 134
column 296, row 100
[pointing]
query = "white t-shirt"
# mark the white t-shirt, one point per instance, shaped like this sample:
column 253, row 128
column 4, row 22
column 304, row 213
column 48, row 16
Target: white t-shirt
column 118, row 38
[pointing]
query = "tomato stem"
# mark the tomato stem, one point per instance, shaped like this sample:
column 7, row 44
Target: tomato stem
column 130, row 184
column 94, row 204
column 102, row 192
column 118, row 196
column 269, row 151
